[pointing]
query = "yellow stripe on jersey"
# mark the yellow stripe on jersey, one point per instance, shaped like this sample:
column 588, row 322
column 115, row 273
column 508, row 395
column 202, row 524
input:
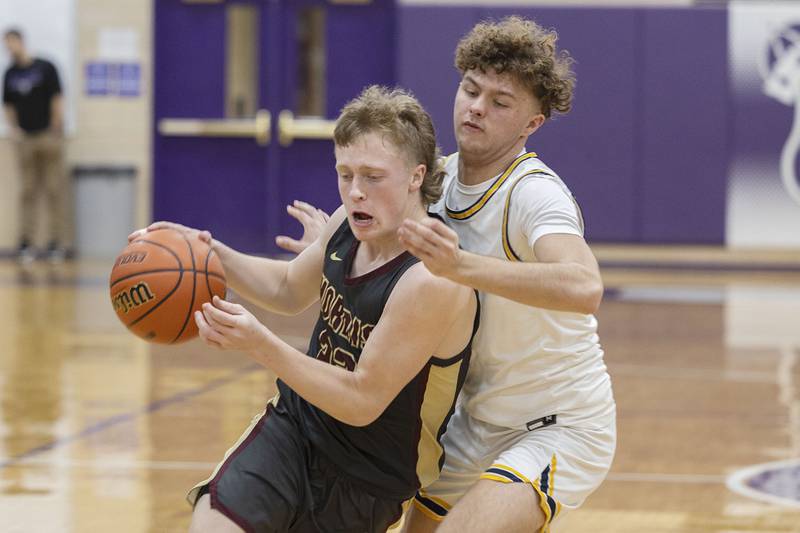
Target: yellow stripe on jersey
column 509, row 251
column 485, row 197
column 439, row 398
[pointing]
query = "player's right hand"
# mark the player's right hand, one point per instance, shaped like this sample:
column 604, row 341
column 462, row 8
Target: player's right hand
column 203, row 235
column 313, row 221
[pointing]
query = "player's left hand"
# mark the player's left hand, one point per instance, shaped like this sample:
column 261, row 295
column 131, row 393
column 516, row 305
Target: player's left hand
column 230, row 326
column 313, row 221
column 433, row 243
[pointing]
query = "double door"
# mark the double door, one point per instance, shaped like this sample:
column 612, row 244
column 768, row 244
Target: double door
column 245, row 95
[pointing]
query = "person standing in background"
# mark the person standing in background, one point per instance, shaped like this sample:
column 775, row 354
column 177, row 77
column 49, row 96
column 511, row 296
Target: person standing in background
column 33, row 105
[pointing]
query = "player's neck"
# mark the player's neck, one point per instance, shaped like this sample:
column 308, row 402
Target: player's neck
column 23, row 60
column 476, row 170
column 374, row 254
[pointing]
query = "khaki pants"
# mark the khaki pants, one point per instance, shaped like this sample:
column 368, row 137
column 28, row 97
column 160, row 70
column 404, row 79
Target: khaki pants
column 42, row 171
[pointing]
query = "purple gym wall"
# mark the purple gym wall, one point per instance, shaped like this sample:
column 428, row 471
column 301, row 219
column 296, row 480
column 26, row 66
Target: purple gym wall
column 644, row 148
column 662, row 144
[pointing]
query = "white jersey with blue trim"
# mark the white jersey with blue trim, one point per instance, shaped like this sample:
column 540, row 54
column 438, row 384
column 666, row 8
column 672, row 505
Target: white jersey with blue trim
column 531, row 367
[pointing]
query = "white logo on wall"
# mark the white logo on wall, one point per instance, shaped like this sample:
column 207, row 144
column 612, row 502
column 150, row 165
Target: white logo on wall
column 780, row 69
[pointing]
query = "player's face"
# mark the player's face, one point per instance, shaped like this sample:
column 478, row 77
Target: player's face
column 378, row 186
column 492, row 114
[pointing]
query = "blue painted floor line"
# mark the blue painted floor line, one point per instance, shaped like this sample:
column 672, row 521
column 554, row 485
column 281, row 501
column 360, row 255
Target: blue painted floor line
column 127, row 417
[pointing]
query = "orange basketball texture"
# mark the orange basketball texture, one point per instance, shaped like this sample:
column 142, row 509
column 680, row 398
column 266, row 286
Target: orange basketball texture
column 160, row 279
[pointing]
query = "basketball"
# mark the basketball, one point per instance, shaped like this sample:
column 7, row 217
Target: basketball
column 160, row 279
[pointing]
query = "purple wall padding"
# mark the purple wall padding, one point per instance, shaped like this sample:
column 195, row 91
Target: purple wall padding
column 182, row 84
column 593, row 147
column 426, row 39
column 630, row 83
column 686, row 126
column 360, row 50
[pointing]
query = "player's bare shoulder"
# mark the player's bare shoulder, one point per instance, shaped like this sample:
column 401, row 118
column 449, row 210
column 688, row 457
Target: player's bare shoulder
column 431, row 286
column 438, row 307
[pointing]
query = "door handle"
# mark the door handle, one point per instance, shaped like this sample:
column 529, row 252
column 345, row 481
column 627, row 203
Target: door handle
column 290, row 128
column 257, row 127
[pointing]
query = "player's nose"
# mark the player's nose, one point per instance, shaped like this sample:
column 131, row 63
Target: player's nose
column 356, row 192
column 477, row 107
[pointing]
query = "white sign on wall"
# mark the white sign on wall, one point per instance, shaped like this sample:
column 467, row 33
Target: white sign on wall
column 763, row 208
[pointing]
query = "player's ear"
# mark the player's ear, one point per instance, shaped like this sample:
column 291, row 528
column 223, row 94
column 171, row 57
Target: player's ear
column 417, row 177
column 534, row 123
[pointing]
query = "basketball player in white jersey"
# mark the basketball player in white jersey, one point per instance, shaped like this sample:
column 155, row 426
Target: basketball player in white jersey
column 535, row 430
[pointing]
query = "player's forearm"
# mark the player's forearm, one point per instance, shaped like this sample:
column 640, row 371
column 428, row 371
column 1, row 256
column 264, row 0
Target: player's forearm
column 258, row 279
column 337, row 391
column 557, row 286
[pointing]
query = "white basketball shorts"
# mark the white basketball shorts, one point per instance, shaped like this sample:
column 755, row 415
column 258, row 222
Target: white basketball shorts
column 562, row 464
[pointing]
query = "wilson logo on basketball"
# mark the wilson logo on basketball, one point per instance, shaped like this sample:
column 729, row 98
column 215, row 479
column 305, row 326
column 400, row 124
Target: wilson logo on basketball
column 136, row 257
column 128, row 299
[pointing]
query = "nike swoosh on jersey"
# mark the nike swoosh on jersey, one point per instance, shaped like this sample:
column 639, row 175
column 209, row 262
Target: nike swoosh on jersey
column 335, row 257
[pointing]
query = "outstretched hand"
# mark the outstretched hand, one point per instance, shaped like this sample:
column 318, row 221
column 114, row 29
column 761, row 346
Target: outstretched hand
column 229, row 326
column 433, row 243
column 203, row 235
column 313, row 221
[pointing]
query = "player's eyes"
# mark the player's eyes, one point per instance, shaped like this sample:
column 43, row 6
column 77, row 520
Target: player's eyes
column 500, row 104
column 469, row 90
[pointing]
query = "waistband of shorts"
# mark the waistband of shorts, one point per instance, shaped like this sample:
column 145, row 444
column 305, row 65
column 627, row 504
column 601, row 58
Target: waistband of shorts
column 567, row 419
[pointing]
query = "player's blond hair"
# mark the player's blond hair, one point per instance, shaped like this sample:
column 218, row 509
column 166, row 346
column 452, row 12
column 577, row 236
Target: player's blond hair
column 398, row 115
column 525, row 50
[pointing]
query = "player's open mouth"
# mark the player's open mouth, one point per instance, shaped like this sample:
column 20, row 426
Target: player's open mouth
column 361, row 218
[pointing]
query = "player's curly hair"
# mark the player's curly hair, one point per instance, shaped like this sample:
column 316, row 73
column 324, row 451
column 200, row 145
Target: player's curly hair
column 400, row 116
column 525, row 50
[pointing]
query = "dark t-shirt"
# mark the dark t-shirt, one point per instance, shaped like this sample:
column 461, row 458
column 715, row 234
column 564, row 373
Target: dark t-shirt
column 29, row 91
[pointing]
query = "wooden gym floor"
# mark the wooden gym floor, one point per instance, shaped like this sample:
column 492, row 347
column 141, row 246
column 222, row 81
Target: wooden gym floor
column 102, row 432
